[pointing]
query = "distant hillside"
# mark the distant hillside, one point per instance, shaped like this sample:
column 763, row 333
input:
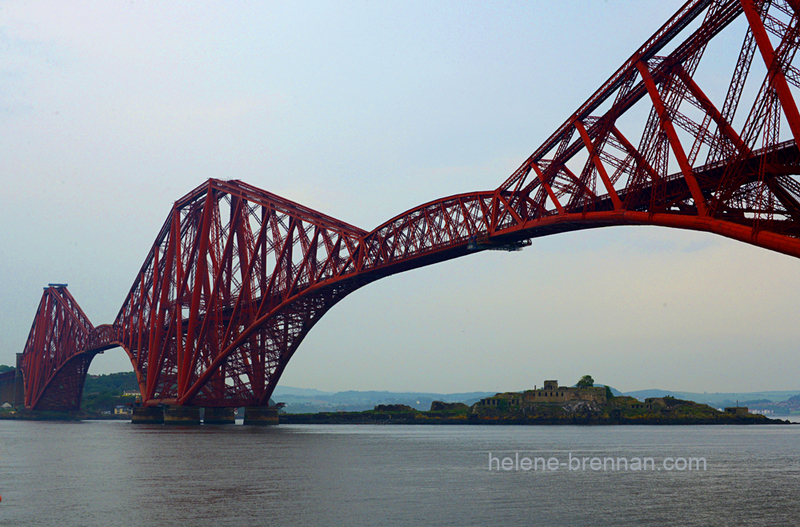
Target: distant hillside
column 113, row 383
column 300, row 392
column 103, row 390
column 719, row 400
column 299, row 400
column 614, row 391
column 644, row 394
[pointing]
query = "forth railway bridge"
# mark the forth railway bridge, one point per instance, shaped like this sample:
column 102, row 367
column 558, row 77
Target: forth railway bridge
column 237, row 276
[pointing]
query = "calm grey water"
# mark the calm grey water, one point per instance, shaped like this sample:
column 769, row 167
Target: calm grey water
column 115, row 473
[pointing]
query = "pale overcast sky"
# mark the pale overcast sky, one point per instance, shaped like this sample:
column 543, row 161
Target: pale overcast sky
column 110, row 111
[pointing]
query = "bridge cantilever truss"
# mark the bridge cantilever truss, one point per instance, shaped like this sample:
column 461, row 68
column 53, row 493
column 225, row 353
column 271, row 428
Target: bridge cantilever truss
column 238, row 276
column 55, row 359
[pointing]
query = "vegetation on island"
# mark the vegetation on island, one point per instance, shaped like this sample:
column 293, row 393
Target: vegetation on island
column 440, row 413
column 594, row 408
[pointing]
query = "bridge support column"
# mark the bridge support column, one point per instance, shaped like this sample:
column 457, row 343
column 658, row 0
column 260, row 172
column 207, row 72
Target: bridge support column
column 219, row 416
column 261, row 415
column 19, row 384
column 148, row 415
column 181, row 415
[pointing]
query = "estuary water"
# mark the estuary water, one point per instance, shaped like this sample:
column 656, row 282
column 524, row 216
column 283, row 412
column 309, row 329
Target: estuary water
column 119, row 474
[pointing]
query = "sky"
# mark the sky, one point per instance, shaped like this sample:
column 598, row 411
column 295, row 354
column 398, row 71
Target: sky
column 111, row 111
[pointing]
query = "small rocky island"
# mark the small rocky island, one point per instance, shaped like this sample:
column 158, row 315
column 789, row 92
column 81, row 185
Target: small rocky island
column 583, row 404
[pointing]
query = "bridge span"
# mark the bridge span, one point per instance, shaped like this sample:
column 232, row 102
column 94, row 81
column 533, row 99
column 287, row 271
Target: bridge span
column 238, row 276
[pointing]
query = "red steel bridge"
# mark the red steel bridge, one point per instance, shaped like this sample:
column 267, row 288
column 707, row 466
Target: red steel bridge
column 237, row 276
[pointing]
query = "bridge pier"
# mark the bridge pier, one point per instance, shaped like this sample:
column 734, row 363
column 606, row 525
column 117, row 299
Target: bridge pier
column 261, row 415
column 148, row 415
column 219, row 416
column 181, row 415
column 19, row 384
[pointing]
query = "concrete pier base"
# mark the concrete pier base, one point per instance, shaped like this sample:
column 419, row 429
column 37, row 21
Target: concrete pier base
column 148, row 415
column 219, row 416
column 261, row 415
column 181, row 415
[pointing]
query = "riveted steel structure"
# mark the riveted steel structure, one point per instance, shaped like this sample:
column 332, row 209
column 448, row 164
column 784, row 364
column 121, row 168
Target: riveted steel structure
column 55, row 359
column 238, row 276
column 235, row 280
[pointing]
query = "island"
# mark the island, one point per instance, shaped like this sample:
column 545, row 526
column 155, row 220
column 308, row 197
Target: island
column 582, row 404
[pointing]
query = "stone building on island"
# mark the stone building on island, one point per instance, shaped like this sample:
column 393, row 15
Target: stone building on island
column 550, row 393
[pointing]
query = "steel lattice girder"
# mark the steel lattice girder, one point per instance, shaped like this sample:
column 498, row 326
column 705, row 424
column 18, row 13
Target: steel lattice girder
column 238, row 276
column 55, row 360
column 231, row 259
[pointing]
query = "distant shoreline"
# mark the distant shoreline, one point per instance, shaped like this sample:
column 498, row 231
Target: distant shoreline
column 421, row 418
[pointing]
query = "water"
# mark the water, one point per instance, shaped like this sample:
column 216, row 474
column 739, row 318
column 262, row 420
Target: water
column 115, row 473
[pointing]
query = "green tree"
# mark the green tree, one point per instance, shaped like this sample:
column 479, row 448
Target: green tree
column 586, row 382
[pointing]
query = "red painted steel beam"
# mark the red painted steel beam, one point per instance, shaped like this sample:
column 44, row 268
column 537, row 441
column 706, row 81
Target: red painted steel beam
column 677, row 148
column 237, row 276
column 54, row 361
column 774, row 67
column 595, row 157
column 685, row 16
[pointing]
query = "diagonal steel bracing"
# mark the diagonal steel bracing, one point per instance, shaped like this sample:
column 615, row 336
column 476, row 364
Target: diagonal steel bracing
column 238, row 276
